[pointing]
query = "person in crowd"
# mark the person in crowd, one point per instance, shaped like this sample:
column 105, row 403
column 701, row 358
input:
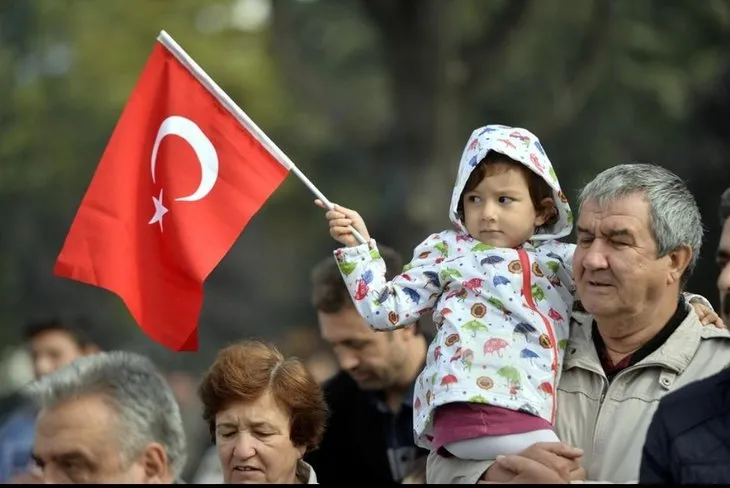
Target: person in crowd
column 108, row 418
column 688, row 441
column 370, row 429
column 52, row 344
column 639, row 234
column 500, row 288
column 723, row 257
column 264, row 413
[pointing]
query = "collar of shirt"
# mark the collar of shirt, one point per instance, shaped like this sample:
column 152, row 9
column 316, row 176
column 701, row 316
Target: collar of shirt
column 652, row 345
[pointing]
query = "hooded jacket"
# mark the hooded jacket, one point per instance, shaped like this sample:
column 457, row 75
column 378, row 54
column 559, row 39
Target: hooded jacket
column 502, row 314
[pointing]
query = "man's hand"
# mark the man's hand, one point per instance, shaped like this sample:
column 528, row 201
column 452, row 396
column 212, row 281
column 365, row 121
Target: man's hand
column 559, row 459
column 340, row 219
column 706, row 315
column 527, row 471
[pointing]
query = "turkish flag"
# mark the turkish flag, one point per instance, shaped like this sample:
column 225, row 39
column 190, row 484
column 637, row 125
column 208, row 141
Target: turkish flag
column 179, row 180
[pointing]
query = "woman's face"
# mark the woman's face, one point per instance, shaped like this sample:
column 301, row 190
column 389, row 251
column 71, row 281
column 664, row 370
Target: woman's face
column 253, row 442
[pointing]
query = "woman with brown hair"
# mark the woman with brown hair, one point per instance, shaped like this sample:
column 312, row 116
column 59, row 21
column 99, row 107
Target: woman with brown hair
column 264, row 412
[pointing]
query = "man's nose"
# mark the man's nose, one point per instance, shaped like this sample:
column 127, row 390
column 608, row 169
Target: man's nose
column 723, row 281
column 348, row 360
column 594, row 257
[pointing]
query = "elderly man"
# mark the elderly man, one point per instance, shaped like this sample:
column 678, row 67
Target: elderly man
column 639, row 237
column 108, row 418
column 687, row 442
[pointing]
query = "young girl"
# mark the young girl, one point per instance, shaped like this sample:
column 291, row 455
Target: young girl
column 501, row 291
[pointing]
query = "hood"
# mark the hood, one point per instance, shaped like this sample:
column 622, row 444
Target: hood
column 522, row 146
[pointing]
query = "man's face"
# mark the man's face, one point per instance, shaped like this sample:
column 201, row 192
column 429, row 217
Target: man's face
column 616, row 268
column 77, row 441
column 51, row 350
column 723, row 281
column 375, row 360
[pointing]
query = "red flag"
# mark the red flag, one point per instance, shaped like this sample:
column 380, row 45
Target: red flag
column 176, row 185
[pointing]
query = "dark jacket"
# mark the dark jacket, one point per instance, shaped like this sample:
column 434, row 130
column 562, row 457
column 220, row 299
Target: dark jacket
column 688, row 441
column 354, row 449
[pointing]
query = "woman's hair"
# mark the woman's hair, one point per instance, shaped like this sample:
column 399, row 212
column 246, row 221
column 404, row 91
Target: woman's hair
column 539, row 189
column 248, row 369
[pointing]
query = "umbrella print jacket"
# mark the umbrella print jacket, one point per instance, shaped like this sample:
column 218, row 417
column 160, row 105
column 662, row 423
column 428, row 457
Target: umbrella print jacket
column 502, row 314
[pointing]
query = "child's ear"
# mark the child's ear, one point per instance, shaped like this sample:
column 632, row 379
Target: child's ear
column 546, row 211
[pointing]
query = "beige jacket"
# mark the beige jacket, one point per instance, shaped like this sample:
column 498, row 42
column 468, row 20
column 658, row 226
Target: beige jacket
column 609, row 422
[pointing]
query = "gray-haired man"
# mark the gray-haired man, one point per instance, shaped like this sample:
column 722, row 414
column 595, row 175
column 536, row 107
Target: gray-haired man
column 108, row 418
column 639, row 237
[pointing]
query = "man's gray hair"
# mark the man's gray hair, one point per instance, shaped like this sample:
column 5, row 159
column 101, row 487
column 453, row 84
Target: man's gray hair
column 133, row 387
column 674, row 218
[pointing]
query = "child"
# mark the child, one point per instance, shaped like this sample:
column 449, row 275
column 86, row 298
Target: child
column 501, row 290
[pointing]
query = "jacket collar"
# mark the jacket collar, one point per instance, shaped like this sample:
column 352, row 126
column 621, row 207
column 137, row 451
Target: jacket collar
column 675, row 354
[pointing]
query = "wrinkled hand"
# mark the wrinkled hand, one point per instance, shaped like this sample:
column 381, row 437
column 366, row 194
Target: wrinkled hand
column 706, row 315
column 340, row 219
column 543, row 462
column 528, row 471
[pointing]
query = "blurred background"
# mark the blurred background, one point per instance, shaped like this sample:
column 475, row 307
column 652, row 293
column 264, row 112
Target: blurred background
column 373, row 100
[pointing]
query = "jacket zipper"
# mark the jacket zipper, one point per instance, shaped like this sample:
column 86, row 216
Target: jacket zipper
column 604, row 393
column 527, row 292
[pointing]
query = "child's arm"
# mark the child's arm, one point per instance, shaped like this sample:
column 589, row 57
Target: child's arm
column 386, row 305
column 558, row 257
column 397, row 303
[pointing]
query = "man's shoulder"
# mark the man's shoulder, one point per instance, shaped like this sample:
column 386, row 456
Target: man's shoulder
column 700, row 389
column 695, row 403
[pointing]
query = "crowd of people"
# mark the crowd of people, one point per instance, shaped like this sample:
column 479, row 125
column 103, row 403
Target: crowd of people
column 549, row 363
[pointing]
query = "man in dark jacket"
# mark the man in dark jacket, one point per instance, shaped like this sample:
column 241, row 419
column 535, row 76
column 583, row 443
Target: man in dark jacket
column 688, row 441
column 369, row 436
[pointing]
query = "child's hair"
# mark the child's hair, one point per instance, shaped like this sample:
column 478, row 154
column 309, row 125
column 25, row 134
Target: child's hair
column 539, row 189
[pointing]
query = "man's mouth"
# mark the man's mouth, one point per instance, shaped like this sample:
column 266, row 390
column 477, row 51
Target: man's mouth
column 597, row 283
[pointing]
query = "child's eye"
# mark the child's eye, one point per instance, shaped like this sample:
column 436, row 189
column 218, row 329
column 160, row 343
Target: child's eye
column 473, row 199
column 506, row 199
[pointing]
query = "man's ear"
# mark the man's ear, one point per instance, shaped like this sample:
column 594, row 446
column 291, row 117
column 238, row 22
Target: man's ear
column 155, row 463
column 678, row 261
column 546, row 211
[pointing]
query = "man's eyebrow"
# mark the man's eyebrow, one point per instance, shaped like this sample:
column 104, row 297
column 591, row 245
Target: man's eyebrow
column 619, row 233
column 72, row 456
column 582, row 229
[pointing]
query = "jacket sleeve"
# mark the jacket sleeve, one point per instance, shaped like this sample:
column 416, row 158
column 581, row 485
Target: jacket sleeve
column 559, row 260
column 454, row 471
column 388, row 305
column 656, row 459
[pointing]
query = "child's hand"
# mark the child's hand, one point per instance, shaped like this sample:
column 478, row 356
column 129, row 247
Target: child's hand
column 340, row 220
column 707, row 315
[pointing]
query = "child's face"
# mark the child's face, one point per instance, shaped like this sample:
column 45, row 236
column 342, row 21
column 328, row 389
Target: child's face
column 499, row 211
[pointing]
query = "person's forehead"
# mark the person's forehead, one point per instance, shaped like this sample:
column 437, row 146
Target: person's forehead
column 55, row 338
column 724, row 244
column 344, row 325
column 82, row 425
column 262, row 410
column 630, row 213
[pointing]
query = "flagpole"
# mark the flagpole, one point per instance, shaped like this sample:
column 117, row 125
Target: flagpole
column 166, row 40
